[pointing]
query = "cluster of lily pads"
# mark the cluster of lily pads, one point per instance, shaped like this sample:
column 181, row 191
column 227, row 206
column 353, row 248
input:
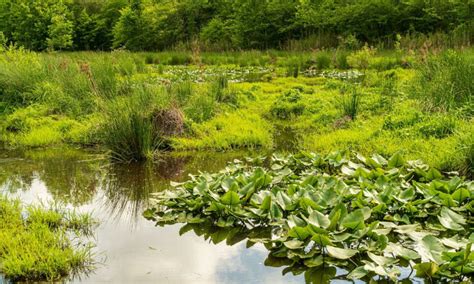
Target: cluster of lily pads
column 369, row 217
column 209, row 73
column 342, row 75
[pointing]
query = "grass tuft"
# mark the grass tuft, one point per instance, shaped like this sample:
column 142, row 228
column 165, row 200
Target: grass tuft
column 35, row 243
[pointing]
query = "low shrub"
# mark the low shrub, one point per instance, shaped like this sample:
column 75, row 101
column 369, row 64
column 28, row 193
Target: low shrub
column 200, row 107
column 341, row 60
column 323, row 61
column 438, row 127
column 361, row 58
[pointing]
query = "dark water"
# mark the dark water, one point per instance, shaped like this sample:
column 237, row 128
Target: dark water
column 131, row 248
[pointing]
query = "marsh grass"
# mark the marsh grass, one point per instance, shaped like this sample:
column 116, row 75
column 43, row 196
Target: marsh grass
column 35, row 243
column 350, row 103
column 445, row 82
column 129, row 131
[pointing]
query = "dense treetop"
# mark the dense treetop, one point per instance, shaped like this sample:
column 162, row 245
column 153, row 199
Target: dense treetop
column 224, row 24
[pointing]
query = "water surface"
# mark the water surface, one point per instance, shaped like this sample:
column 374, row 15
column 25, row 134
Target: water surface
column 130, row 248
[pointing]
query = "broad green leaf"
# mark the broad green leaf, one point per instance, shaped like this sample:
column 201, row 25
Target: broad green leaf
column 401, row 251
column 357, row 273
column 284, row 200
column 426, row 269
column 381, row 260
column 321, row 239
column 318, row 219
column 267, row 201
column 294, row 221
column 341, row 253
column 433, row 174
column 293, row 244
column 314, row 261
column 451, row 220
column 461, row 194
column 430, row 248
column 396, row 161
column 230, row 198
column 299, row 233
column 275, row 211
column 355, row 220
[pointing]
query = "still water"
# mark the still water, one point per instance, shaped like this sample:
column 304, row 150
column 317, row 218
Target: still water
column 131, row 249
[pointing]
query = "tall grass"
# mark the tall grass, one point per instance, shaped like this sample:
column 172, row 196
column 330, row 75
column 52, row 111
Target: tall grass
column 350, row 104
column 129, row 131
column 445, row 82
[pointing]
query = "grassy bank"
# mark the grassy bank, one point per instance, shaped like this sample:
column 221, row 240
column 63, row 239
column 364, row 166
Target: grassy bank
column 418, row 102
column 36, row 244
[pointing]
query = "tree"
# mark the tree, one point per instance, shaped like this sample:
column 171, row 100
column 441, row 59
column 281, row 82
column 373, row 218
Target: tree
column 60, row 33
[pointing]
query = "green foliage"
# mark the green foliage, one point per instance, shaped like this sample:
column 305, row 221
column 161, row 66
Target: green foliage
column 360, row 59
column 231, row 25
column 35, row 243
column 323, row 61
column 321, row 211
column 236, row 130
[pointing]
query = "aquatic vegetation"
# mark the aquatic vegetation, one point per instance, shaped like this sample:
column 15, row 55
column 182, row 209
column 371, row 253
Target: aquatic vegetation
column 369, row 216
column 213, row 72
column 36, row 244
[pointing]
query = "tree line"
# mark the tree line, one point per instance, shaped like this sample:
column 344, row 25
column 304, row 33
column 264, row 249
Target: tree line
column 224, row 24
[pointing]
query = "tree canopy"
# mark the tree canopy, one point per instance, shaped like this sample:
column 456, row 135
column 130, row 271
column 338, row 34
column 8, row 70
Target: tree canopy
column 223, row 24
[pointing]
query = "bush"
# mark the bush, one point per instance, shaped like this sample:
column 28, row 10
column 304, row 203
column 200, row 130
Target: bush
column 361, row 58
column 323, row 61
column 200, row 107
column 293, row 68
column 341, row 60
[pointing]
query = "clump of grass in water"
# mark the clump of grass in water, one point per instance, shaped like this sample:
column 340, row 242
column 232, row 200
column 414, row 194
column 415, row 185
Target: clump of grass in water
column 131, row 130
column 34, row 243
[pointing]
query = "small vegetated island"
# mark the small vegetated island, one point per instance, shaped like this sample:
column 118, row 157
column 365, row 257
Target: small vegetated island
column 358, row 116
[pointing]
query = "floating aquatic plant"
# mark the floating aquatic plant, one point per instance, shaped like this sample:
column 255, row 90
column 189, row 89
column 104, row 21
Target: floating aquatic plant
column 368, row 216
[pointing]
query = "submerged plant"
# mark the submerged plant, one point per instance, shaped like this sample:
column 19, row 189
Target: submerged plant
column 367, row 216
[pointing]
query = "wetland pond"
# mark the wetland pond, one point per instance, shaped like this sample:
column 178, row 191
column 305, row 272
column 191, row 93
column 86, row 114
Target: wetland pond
column 129, row 248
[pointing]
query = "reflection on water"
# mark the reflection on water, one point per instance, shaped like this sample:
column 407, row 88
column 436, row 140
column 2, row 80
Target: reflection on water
column 133, row 249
